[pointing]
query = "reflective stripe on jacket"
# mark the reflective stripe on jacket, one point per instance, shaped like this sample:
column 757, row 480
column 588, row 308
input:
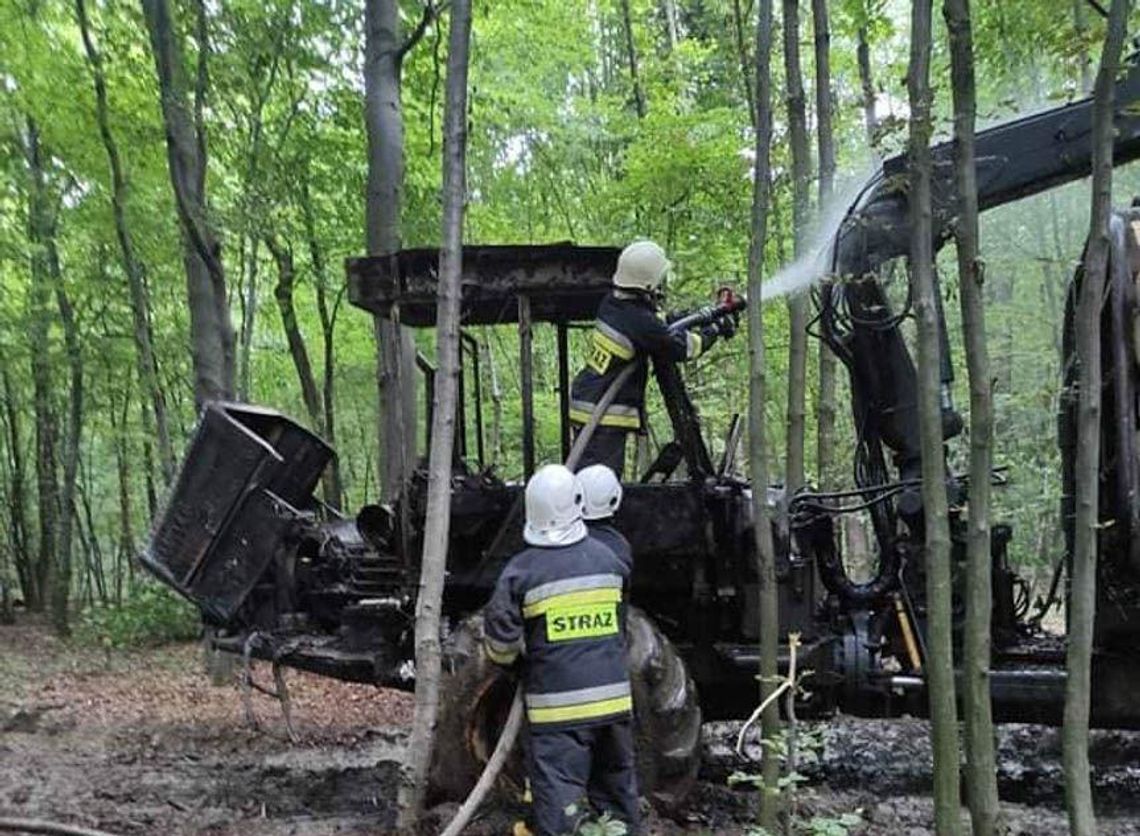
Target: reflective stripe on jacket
column 628, row 329
column 563, row 609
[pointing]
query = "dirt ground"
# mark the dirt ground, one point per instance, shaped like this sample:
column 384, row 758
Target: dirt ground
column 140, row 743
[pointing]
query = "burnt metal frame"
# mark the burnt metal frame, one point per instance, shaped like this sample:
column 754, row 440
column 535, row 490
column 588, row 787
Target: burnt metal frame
column 526, row 381
column 468, row 347
column 561, row 284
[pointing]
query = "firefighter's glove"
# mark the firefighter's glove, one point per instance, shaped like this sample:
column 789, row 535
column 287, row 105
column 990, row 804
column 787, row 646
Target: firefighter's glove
column 727, row 327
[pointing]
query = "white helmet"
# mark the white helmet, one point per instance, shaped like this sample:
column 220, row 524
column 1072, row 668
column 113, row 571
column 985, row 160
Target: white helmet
column 602, row 492
column 553, row 508
column 641, row 266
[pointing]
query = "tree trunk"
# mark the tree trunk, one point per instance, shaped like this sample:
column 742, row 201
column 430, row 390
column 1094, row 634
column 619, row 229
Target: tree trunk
column 249, row 302
column 252, row 202
column 126, row 547
column 298, row 351
column 61, row 586
column 211, row 331
column 631, row 57
column 823, row 102
column 1081, row 29
column 757, row 450
column 797, row 303
column 148, row 469
column 669, row 9
column 147, row 365
column 1082, row 590
column 1054, row 277
column 940, row 664
column 283, row 293
column 863, row 57
column 981, row 771
column 17, row 503
column 335, row 486
column 746, row 68
column 41, row 236
column 825, row 409
column 413, row 788
column 89, row 539
column 396, row 348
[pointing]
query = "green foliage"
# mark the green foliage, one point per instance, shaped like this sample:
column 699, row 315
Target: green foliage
column 839, row 825
column 151, row 616
column 809, row 745
column 586, row 824
column 833, row 825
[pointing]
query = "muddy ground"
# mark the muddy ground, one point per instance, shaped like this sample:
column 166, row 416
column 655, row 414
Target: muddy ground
column 140, row 743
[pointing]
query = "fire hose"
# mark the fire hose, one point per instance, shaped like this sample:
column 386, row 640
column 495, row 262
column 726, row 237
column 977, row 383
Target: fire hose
column 728, row 303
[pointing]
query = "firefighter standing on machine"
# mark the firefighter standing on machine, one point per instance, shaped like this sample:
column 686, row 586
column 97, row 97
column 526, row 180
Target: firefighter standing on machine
column 629, row 329
column 560, row 604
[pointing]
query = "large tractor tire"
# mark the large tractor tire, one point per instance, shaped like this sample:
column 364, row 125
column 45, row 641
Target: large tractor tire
column 475, row 696
column 666, row 711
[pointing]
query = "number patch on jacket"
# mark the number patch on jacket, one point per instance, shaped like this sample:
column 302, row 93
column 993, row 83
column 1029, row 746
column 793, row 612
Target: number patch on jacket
column 600, row 357
column 585, row 621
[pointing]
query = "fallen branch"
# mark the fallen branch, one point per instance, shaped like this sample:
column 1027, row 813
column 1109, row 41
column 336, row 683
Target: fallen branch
column 41, row 826
column 787, row 683
column 793, row 742
column 784, row 686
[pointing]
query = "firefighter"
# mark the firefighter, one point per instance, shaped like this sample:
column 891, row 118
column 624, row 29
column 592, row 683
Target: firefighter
column 601, row 493
column 559, row 605
column 629, row 329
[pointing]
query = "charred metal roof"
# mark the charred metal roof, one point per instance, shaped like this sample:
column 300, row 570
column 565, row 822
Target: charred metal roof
column 564, row 282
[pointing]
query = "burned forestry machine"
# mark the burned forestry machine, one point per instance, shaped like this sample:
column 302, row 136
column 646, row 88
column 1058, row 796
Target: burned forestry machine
column 285, row 578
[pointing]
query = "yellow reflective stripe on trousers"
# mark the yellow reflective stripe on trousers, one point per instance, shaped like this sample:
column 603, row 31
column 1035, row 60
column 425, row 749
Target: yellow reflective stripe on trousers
column 610, row 595
column 630, row 422
column 582, row 711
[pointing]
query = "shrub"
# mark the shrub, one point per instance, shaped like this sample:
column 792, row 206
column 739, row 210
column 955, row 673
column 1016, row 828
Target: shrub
column 151, row 615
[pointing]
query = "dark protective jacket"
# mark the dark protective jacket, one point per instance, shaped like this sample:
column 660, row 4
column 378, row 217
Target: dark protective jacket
column 562, row 609
column 628, row 330
column 607, row 534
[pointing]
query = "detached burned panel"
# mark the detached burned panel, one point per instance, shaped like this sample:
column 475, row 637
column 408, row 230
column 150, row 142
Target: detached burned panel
column 246, row 472
column 564, row 282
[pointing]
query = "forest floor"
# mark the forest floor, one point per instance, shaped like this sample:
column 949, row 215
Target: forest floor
column 140, row 743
